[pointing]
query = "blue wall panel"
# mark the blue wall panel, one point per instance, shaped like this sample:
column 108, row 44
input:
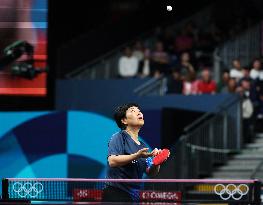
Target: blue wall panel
column 56, row 144
column 103, row 96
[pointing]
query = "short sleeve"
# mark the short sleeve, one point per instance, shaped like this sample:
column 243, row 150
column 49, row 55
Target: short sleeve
column 116, row 145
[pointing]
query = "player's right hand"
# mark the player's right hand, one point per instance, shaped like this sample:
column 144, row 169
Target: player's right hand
column 156, row 151
column 143, row 153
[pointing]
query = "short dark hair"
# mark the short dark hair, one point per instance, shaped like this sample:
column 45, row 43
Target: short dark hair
column 120, row 113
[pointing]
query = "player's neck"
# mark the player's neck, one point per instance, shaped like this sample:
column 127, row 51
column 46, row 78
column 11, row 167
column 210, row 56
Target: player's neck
column 133, row 132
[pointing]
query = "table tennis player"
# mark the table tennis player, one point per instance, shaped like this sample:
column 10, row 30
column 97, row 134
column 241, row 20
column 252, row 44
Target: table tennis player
column 128, row 157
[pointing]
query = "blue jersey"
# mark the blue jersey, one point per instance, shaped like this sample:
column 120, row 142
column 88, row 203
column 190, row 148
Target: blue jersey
column 122, row 143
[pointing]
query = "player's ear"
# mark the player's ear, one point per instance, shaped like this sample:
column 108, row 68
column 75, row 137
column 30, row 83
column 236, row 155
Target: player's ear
column 124, row 121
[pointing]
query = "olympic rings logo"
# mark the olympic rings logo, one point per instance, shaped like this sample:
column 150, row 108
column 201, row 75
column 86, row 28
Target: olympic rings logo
column 231, row 190
column 27, row 189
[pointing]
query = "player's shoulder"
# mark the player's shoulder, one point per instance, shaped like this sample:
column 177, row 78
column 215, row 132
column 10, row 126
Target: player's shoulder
column 116, row 135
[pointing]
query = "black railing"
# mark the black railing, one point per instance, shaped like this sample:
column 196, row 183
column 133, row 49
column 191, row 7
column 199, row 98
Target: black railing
column 154, row 86
column 209, row 140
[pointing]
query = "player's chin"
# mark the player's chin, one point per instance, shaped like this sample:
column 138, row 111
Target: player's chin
column 141, row 123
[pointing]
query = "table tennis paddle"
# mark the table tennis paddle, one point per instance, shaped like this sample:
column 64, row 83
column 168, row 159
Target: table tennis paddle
column 161, row 157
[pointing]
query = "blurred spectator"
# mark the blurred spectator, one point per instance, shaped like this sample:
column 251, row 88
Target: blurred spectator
column 184, row 66
column 231, row 86
column 157, row 74
column 249, row 96
column 247, row 113
column 246, row 76
column 256, row 72
column 249, row 90
column 206, row 85
column 222, row 85
column 174, row 83
column 145, row 65
column 128, row 64
column 138, row 50
column 236, row 72
column 246, row 103
column 190, row 85
column 160, row 59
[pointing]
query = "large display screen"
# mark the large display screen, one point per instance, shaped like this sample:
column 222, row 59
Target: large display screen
column 23, row 47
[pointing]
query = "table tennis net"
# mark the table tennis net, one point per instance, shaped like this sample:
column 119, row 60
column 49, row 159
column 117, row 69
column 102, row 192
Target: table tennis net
column 161, row 190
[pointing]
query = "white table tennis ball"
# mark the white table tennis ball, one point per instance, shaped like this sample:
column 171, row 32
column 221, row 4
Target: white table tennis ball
column 169, row 8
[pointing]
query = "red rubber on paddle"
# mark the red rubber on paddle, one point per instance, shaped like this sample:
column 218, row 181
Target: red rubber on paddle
column 160, row 158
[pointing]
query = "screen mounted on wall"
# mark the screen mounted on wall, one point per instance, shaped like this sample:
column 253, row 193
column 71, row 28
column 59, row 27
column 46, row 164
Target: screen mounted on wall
column 23, row 47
